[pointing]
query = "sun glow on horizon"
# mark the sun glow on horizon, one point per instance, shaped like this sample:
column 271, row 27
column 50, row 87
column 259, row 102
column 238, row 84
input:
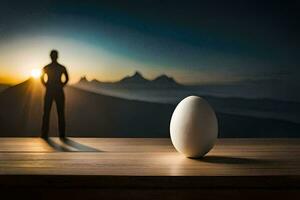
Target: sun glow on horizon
column 36, row 73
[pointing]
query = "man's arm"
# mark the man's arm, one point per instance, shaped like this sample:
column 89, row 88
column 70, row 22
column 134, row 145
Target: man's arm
column 66, row 76
column 43, row 77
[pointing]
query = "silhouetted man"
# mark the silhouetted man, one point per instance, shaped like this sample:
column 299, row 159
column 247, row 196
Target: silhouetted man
column 54, row 92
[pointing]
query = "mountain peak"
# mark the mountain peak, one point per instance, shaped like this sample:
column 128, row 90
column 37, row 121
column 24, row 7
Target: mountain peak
column 83, row 79
column 163, row 76
column 137, row 77
column 164, row 79
column 137, row 74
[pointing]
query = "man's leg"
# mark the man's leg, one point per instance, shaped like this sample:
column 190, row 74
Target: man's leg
column 60, row 105
column 46, row 116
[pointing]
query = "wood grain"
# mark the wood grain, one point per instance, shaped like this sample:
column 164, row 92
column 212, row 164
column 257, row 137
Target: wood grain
column 123, row 168
column 147, row 157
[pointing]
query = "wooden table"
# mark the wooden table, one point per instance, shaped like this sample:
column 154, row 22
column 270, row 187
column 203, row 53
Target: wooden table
column 132, row 168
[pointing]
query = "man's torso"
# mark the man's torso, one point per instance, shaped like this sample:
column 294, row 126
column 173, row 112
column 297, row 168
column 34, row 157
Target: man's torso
column 54, row 73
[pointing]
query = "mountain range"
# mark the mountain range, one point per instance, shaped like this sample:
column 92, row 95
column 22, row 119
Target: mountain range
column 164, row 89
column 137, row 80
column 272, row 89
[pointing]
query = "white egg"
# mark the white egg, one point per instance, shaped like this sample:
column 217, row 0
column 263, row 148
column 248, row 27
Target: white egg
column 193, row 127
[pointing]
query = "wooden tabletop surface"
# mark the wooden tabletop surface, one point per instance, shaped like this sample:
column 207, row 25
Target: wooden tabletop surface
column 114, row 168
column 147, row 157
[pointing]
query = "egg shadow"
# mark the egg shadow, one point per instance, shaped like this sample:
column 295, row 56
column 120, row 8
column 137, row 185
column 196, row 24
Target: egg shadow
column 231, row 160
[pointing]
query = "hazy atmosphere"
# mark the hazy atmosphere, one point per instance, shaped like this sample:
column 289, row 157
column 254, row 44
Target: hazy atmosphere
column 150, row 99
column 136, row 60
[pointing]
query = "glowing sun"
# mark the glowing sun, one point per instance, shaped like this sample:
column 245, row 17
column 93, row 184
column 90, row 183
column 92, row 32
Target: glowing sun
column 36, row 73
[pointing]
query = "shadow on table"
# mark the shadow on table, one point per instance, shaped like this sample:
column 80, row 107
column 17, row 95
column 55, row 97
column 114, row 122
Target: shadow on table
column 56, row 146
column 79, row 146
column 232, row 160
column 70, row 143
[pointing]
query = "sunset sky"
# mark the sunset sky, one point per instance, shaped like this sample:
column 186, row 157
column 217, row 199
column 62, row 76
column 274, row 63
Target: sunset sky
column 193, row 41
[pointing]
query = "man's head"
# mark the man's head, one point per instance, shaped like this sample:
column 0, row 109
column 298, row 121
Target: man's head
column 54, row 55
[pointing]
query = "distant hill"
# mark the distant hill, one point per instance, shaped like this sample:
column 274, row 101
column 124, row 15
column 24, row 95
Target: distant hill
column 276, row 89
column 87, row 114
column 3, row 87
column 164, row 80
column 93, row 115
